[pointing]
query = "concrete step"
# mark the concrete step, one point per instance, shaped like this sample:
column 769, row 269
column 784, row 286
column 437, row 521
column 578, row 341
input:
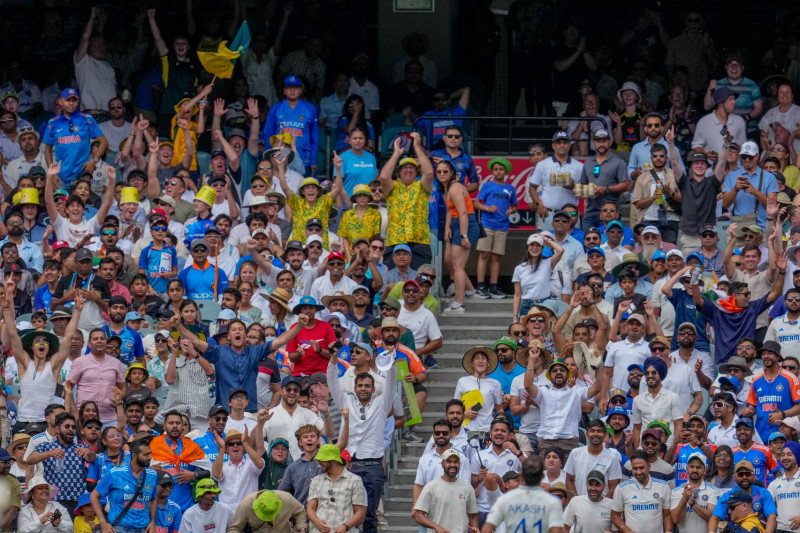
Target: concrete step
column 477, row 319
column 479, row 333
column 400, row 521
column 474, row 304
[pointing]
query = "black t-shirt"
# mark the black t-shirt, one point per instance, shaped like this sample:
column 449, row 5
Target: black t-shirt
column 699, row 200
column 75, row 281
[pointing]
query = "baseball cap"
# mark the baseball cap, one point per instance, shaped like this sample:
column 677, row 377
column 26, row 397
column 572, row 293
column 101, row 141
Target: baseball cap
column 292, row 81
column 288, row 380
column 696, row 156
column 69, row 92
column 83, row 254
column 776, row 435
column 615, row 223
column 164, row 478
column 9, row 94
column 638, row 367
column 450, row 453
column 699, row 456
column 12, row 268
column 236, row 391
column 411, row 282
column 659, row 255
column 749, row 148
column 335, row 255
column 601, row 133
column 733, row 381
column 596, row 475
column 636, row 316
column 709, row 228
column 199, row 242
column 314, row 222
column 596, row 249
column 316, row 378
column 740, row 496
column 392, row 303
column 401, row 248
column 422, row 278
column 619, row 392
column 650, row 230
column 744, row 465
column 217, row 409
column 132, row 315
column 561, row 135
column 749, row 423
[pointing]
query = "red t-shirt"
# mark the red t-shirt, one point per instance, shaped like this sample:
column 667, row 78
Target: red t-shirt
column 311, row 362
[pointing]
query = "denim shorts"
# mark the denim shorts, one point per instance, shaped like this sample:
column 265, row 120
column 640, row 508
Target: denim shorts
column 472, row 230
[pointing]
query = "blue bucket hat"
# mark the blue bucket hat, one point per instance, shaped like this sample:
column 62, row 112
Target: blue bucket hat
column 307, row 300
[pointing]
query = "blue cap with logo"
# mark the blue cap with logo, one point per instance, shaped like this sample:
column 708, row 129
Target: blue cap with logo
column 660, row 254
column 733, row 381
column 745, row 421
column 596, row 249
column 292, row 81
column 69, row 92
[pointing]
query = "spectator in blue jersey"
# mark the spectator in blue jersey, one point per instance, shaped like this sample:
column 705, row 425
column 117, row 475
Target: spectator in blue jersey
column 68, row 139
column 202, row 280
column 298, row 117
column 763, row 503
column 217, row 419
column 168, row 513
column 159, row 259
column 759, row 455
column 774, row 393
column 497, row 200
column 132, row 348
column 237, row 365
column 735, row 317
column 359, row 167
column 435, row 127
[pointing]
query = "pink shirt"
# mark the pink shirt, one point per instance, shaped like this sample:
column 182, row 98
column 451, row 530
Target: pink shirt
column 94, row 379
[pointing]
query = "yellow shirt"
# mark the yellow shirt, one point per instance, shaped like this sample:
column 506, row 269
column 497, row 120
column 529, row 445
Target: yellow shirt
column 792, row 175
column 303, row 211
column 179, row 144
column 407, row 207
column 82, row 527
column 352, row 228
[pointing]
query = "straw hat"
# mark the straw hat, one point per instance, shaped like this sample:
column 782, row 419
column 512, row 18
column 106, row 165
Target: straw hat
column 522, row 353
column 535, row 311
column 281, row 297
column 466, row 361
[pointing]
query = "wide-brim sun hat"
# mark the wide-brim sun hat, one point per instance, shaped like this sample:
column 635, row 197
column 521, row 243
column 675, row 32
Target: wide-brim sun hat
column 53, row 342
column 36, row 481
column 491, row 355
column 522, row 353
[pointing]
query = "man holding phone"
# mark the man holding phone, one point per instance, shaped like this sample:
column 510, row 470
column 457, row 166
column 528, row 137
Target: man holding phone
column 746, row 190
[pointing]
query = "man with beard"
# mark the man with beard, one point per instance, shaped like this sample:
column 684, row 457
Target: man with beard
column 454, row 415
column 693, row 440
column 338, row 495
column 652, row 190
column 554, row 196
column 710, row 252
column 521, row 404
column 507, row 369
column 607, row 171
column 108, row 271
column 618, row 420
column 644, row 500
column 367, row 423
column 724, row 407
column 360, row 264
column 763, row 502
column 288, row 416
column 447, row 499
column 168, row 513
column 132, row 348
column 95, row 375
column 28, row 139
column 657, row 403
column 585, row 304
column 419, row 320
column 590, row 512
column 497, row 458
column 174, row 186
column 785, row 330
column 28, row 252
column 361, row 314
column 116, row 128
column 759, row 455
column 390, row 307
column 431, row 464
column 201, row 280
column 620, row 355
column 774, row 394
column 691, row 505
column 180, row 457
column 680, row 379
column 217, row 419
column 391, row 349
column 334, row 280
column 558, row 400
column 63, row 460
column 784, row 488
column 123, row 483
column 208, row 514
column 593, row 456
column 294, row 255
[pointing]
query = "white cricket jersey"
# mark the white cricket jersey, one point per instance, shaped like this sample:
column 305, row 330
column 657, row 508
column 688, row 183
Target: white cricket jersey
column 786, row 493
column 706, row 497
column 527, row 510
column 643, row 506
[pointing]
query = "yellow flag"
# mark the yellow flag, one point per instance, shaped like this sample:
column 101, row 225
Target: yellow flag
column 219, row 63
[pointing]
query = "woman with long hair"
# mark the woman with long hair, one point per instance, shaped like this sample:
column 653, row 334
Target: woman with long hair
column 87, row 411
column 353, row 116
column 532, row 277
column 781, row 152
column 460, row 232
column 113, row 454
column 553, row 468
column 720, row 473
column 190, row 315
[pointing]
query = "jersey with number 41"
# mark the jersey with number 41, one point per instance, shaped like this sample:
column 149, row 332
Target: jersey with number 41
column 527, row 510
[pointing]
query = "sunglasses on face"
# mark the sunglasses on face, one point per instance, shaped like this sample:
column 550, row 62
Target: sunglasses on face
column 747, row 157
column 658, row 156
column 452, row 136
column 93, row 426
column 236, row 443
column 164, row 228
column 745, row 294
column 173, row 183
column 315, row 246
column 411, row 290
column 200, row 249
column 518, row 333
column 790, row 368
column 536, row 319
column 110, row 232
column 793, row 299
column 618, row 401
column 115, row 107
column 441, row 433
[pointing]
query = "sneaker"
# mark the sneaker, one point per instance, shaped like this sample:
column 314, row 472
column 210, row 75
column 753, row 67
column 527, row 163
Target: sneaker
column 454, row 309
column 482, row 293
column 382, row 520
column 431, row 363
column 451, row 290
column 471, row 293
column 494, row 292
column 410, row 435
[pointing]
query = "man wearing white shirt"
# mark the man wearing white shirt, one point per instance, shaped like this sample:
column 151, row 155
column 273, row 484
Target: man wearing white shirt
column 681, row 379
column 496, row 459
column 643, row 501
column 419, row 320
column 554, row 169
column 334, row 280
column 454, row 414
column 593, row 457
column 590, row 512
column 620, row 355
column 288, row 416
column 238, row 476
column 707, row 133
column 686, row 354
column 28, row 139
column 784, row 489
column 724, row 407
column 657, row 403
column 786, row 114
column 367, row 421
column 692, row 503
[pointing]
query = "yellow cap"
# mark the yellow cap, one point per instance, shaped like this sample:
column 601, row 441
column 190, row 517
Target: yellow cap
column 26, row 196
column 360, row 189
column 285, row 137
column 130, row 195
column 407, row 161
column 206, row 194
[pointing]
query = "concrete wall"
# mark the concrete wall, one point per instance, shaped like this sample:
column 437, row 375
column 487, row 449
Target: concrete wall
column 438, row 26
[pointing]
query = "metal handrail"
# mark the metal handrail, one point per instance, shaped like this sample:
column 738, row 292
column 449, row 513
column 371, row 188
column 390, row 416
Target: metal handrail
column 544, row 121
